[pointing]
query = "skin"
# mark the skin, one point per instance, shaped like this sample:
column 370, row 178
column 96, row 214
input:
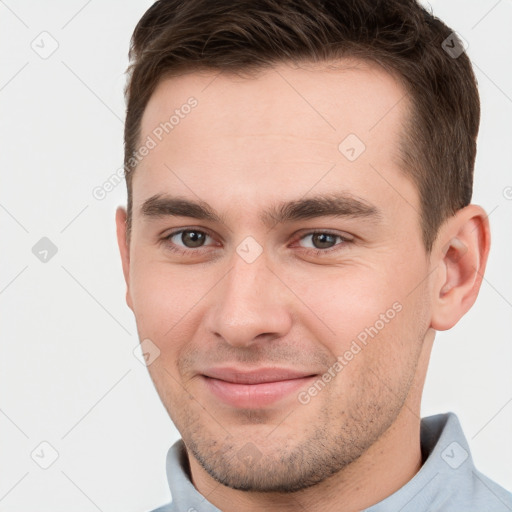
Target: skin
column 251, row 143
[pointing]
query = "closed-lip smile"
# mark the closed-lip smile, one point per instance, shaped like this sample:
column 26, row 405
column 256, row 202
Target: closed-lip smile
column 254, row 388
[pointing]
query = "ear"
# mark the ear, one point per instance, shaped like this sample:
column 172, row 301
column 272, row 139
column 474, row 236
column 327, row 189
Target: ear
column 460, row 252
column 124, row 250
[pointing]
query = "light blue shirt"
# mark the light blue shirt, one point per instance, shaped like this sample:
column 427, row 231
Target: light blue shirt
column 448, row 480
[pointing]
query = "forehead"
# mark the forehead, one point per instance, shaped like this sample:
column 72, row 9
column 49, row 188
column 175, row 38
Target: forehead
column 276, row 132
column 329, row 97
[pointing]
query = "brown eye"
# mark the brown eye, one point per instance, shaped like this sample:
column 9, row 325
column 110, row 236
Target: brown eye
column 193, row 238
column 324, row 240
column 186, row 239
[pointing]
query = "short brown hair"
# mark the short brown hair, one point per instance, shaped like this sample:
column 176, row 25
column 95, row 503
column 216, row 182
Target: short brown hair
column 438, row 145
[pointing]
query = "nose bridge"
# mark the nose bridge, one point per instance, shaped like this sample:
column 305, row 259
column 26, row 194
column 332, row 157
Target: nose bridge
column 250, row 301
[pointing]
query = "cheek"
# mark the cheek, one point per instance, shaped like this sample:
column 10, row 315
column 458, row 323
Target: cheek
column 346, row 300
column 160, row 300
column 363, row 302
column 164, row 294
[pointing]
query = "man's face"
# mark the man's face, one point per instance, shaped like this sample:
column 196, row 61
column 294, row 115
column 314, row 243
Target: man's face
column 335, row 307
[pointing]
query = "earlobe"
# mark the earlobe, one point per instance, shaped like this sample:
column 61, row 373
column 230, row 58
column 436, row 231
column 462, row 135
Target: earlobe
column 124, row 249
column 462, row 248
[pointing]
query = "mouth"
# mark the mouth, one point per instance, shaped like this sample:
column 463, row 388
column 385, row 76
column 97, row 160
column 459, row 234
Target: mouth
column 256, row 388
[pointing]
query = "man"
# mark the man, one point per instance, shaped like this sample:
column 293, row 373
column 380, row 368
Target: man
column 299, row 225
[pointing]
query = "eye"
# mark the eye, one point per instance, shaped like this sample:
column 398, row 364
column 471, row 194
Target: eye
column 190, row 241
column 325, row 242
column 190, row 238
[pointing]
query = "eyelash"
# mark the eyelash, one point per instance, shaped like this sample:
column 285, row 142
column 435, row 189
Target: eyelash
column 317, row 252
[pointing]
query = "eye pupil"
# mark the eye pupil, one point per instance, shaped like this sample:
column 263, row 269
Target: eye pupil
column 323, row 238
column 194, row 238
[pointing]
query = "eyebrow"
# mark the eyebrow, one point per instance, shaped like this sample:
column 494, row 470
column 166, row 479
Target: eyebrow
column 330, row 205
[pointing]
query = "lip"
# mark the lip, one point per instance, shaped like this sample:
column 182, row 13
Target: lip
column 253, row 389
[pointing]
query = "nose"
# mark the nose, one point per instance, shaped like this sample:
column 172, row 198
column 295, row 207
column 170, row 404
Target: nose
column 250, row 305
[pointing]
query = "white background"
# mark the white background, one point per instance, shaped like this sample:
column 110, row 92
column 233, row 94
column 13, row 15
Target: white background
column 67, row 369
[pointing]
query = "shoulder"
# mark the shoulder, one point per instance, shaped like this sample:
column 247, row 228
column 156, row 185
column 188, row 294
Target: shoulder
column 488, row 495
column 479, row 494
column 448, row 481
column 164, row 508
column 460, row 485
